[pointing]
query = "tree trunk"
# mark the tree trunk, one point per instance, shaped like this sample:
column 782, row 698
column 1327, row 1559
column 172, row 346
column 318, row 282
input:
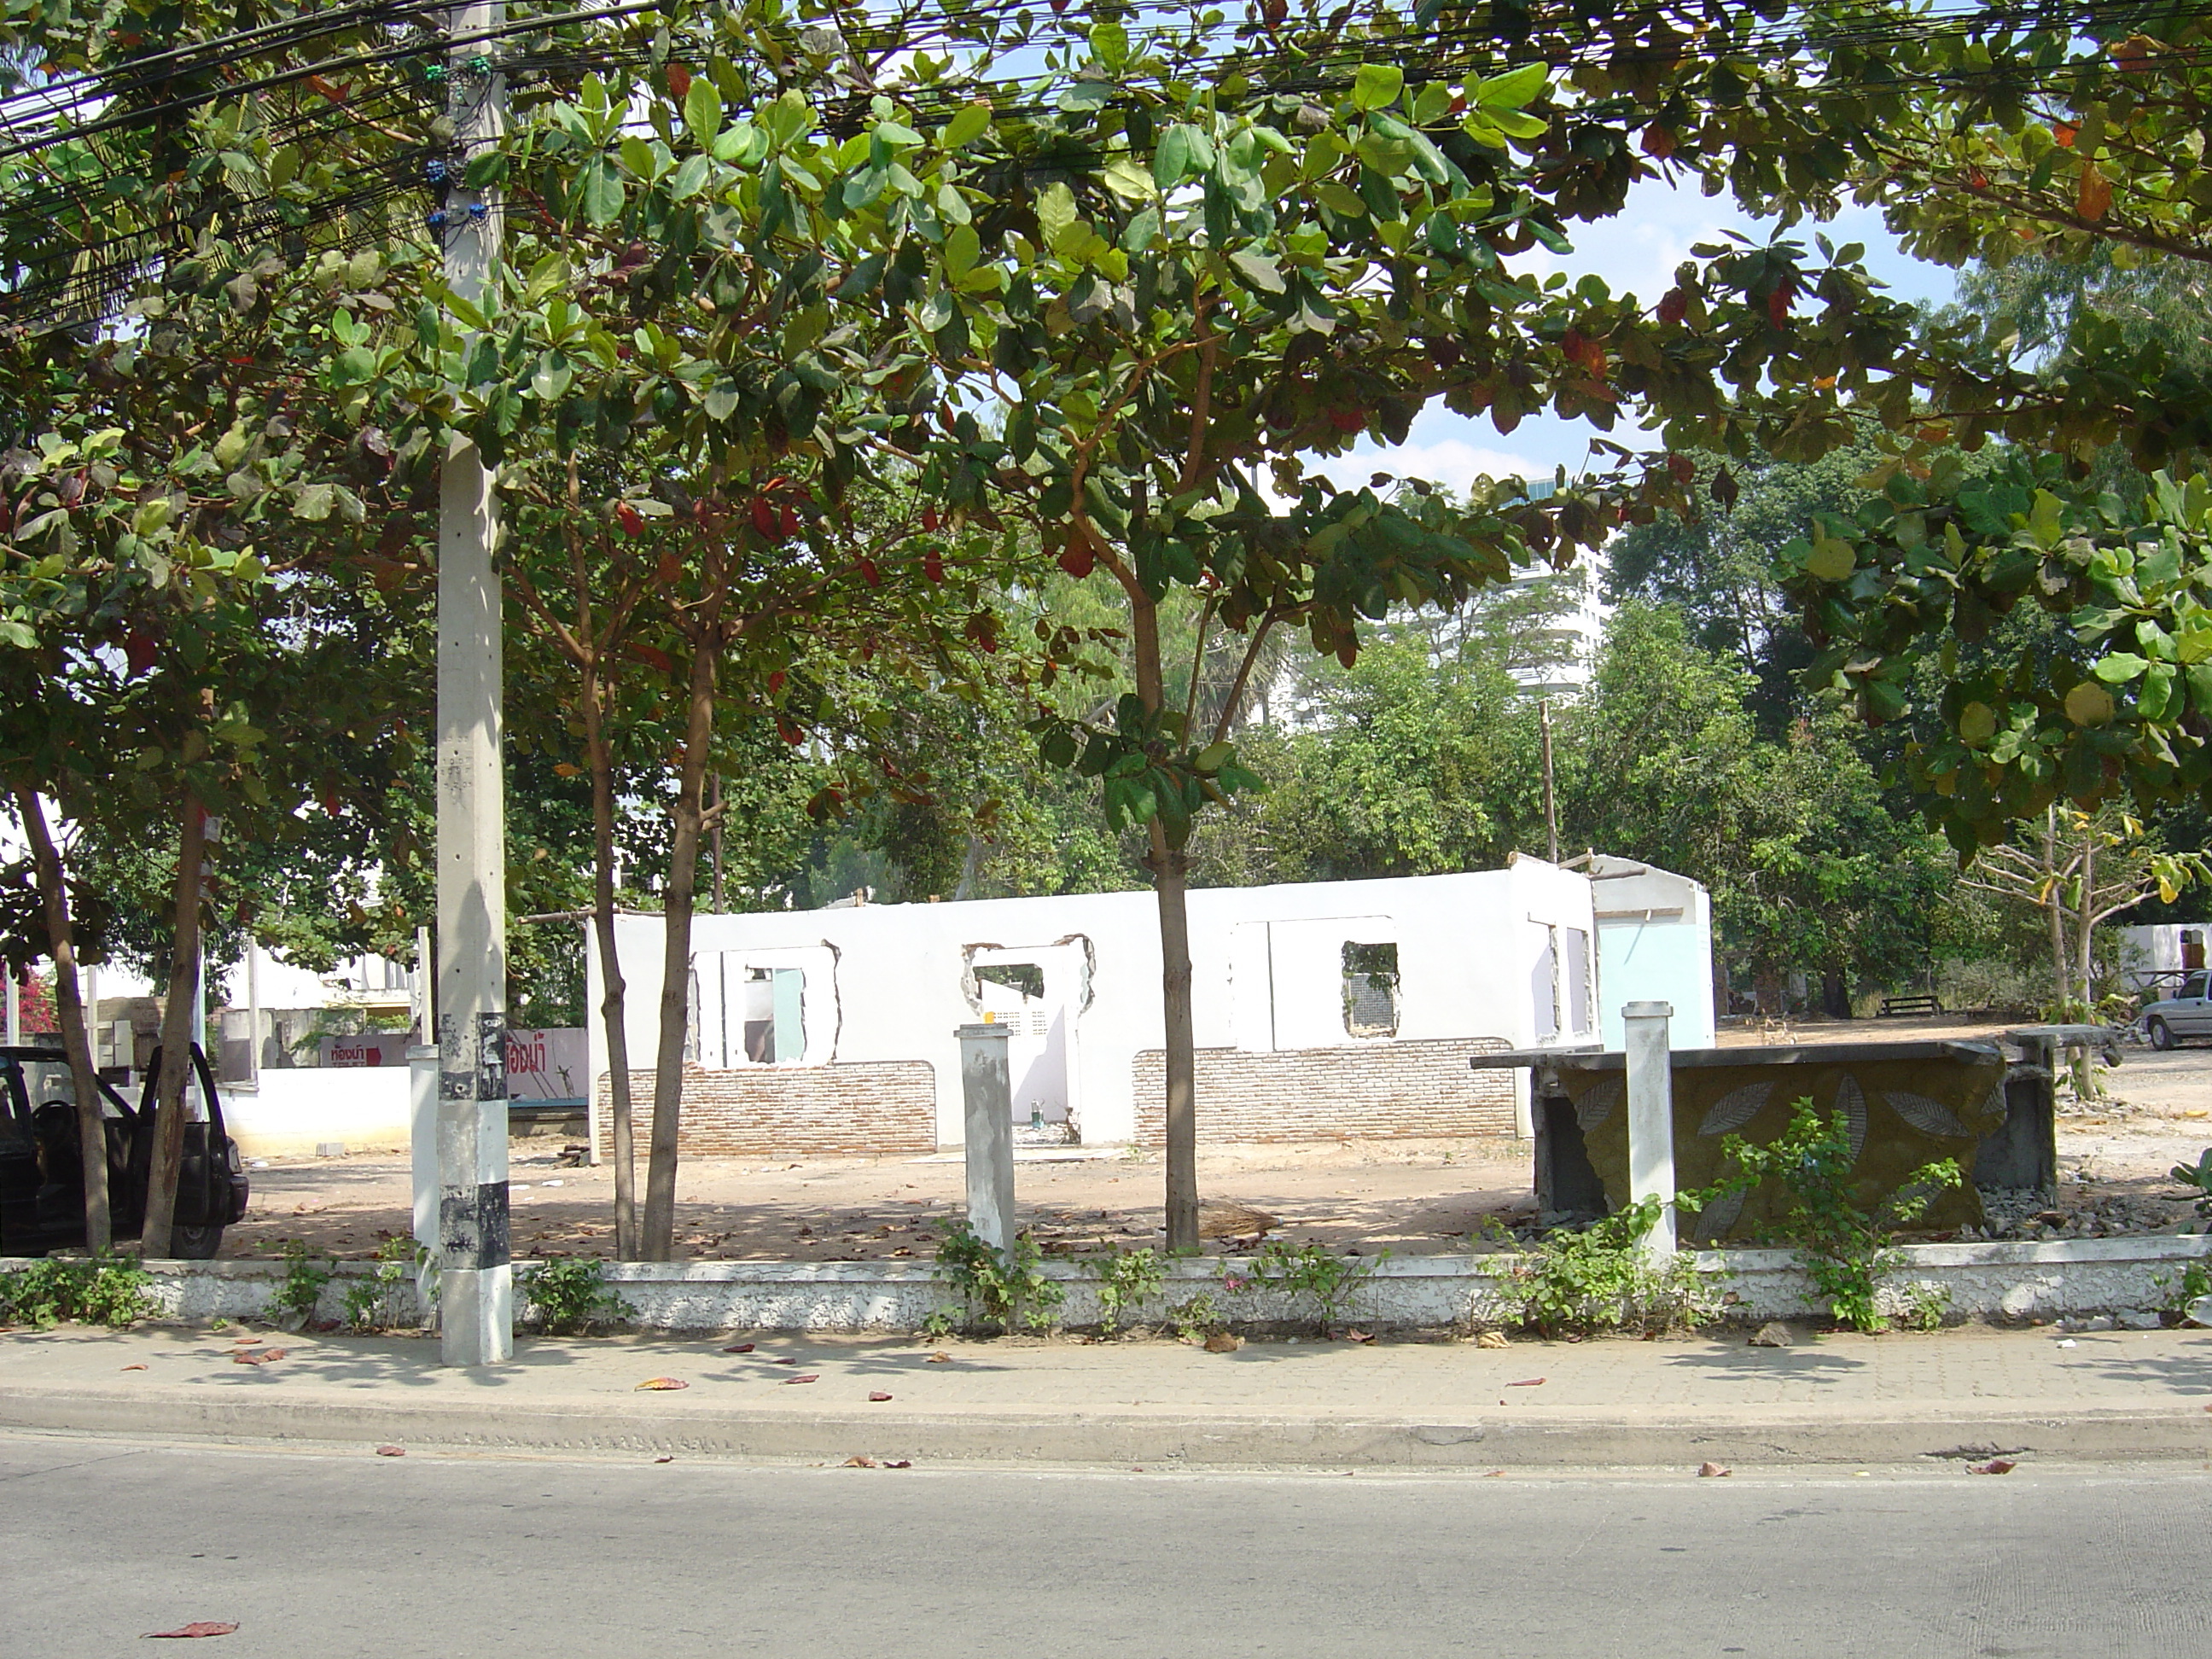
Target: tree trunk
column 61, row 936
column 176, row 1038
column 614, row 1006
column 1169, row 867
column 2055, row 903
column 685, row 822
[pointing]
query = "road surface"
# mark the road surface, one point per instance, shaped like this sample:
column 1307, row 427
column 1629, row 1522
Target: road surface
column 330, row 1555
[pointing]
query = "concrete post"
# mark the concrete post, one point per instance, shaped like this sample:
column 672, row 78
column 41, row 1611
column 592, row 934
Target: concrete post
column 422, row 1144
column 475, row 1281
column 1651, row 1116
column 14, row 1009
column 987, row 1092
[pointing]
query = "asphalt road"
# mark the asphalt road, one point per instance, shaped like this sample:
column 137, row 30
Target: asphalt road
column 327, row 1556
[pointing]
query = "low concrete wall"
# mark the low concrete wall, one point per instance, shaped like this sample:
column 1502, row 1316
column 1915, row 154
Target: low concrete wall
column 293, row 1112
column 1992, row 1280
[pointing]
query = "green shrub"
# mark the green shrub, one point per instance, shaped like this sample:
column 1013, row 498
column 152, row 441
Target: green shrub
column 1005, row 1288
column 1327, row 1283
column 373, row 1302
column 570, row 1294
column 1126, row 1281
column 108, row 1291
column 1842, row 1246
column 1602, row 1279
column 306, row 1273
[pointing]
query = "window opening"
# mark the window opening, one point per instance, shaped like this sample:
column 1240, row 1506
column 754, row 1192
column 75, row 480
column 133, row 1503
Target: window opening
column 1025, row 979
column 1544, row 986
column 1576, row 988
column 774, row 1014
column 1371, row 989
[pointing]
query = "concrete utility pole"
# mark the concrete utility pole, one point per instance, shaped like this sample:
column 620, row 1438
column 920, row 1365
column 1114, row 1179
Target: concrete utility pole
column 1650, row 1064
column 988, row 1119
column 475, row 1281
column 1551, row 807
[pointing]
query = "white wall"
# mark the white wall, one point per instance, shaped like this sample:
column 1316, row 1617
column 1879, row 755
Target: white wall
column 1654, row 944
column 294, row 1111
column 1468, row 947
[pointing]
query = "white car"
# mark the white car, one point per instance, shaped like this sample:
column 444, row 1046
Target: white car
column 2185, row 1014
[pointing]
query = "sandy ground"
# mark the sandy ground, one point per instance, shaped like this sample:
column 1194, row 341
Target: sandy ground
column 1408, row 1196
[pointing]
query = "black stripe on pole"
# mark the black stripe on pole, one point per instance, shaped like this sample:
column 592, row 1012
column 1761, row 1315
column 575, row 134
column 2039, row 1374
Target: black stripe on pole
column 472, row 1226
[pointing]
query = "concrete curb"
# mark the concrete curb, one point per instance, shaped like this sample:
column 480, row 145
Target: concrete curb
column 1649, row 1438
column 2049, row 1280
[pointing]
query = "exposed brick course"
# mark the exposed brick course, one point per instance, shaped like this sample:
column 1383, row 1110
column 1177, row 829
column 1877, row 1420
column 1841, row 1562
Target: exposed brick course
column 852, row 1110
column 1380, row 1091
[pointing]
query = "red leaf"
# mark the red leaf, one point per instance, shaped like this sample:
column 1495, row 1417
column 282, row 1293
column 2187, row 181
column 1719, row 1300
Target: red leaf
column 869, row 574
column 203, row 1627
column 680, row 81
column 1077, row 559
column 932, row 565
column 809, row 1377
column 1673, row 306
column 1994, row 1466
column 392, row 1451
column 1527, row 1382
column 654, row 656
column 930, row 521
column 1682, row 467
column 763, row 516
column 742, row 1347
column 140, row 650
column 1777, row 306
column 2064, row 132
column 790, row 734
column 789, row 522
column 878, row 1396
column 632, row 521
column 775, row 685
column 1657, row 142
column 898, row 1462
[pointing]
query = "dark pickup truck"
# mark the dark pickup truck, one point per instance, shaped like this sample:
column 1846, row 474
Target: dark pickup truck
column 42, row 1169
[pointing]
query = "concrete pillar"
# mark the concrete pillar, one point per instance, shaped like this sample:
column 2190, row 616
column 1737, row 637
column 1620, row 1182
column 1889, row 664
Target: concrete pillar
column 987, row 1092
column 422, row 1146
column 1651, row 1116
column 14, row 1009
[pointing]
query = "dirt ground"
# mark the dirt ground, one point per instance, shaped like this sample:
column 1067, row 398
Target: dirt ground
column 1411, row 1197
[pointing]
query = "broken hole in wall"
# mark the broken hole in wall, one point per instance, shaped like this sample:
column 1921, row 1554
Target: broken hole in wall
column 1025, row 978
column 1371, row 989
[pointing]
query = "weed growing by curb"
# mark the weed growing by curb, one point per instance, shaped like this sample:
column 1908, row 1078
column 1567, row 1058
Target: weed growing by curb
column 1601, row 1278
column 108, row 1291
column 1196, row 1317
column 1327, row 1282
column 569, row 1295
column 1005, row 1288
column 373, row 1303
column 2195, row 1283
column 305, row 1275
column 1844, row 1247
column 1126, row 1281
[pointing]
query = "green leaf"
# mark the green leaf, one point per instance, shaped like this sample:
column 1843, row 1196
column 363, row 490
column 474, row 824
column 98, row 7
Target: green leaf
column 1376, row 86
column 1831, row 558
column 313, row 502
column 967, row 123
column 1109, row 44
column 1977, row 724
column 2120, row 667
column 1511, row 90
column 702, row 110
column 1258, row 269
column 1171, row 159
column 721, row 399
column 600, row 192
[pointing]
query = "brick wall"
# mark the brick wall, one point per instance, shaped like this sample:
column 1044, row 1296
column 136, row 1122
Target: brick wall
column 854, row 1110
column 1376, row 1091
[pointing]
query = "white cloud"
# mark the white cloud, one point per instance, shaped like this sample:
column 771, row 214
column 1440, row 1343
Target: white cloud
column 1452, row 462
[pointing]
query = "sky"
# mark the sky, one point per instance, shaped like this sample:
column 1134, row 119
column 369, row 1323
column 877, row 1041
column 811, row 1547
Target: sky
column 1636, row 251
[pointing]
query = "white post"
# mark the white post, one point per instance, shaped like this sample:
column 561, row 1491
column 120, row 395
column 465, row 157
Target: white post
column 988, row 1120
column 1651, row 1117
column 253, row 1014
column 476, row 1283
column 14, row 1009
column 92, row 1016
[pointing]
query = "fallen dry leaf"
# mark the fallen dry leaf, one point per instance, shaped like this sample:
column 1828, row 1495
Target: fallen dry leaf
column 664, row 1459
column 202, row 1627
column 938, row 1359
column 1707, row 1471
column 1527, row 1382
column 742, row 1347
column 1490, row 1340
column 878, row 1396
column 803, row 1376
column 392, row 1451
column 898, row 1462
column 1359, row 1336
column 859, row 1464
column 1994, row 1466
column 662, row 1384
column 1223, row 1342
column 1494, row 1474
column 246, row 1341
column 273, row 1353
column 249, row 1360
column 134, row 1367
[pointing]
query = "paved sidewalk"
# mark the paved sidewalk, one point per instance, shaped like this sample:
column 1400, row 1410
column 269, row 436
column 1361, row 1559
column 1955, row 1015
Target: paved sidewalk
column 2120, row 1395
